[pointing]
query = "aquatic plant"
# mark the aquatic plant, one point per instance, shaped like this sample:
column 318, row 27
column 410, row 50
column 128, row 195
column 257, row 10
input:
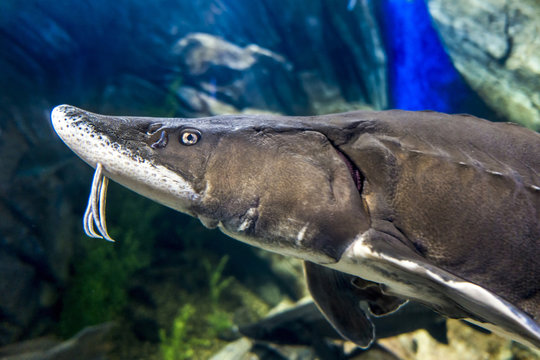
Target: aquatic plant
column 97, row 291
column 190, row 337
column 181, row 344
column 218, row 319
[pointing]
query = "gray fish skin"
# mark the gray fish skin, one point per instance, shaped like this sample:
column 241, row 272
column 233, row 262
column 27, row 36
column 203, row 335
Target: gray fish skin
column 446, row 213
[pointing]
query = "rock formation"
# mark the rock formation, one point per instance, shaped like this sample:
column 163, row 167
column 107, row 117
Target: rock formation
column 495, row 44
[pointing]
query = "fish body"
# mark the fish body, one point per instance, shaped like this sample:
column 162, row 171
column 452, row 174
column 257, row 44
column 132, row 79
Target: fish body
column 382, row 206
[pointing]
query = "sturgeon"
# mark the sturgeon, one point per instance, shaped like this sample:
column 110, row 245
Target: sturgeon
column 383, row 207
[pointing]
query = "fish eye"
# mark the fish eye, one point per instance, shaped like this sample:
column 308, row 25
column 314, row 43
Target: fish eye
column 190, row 137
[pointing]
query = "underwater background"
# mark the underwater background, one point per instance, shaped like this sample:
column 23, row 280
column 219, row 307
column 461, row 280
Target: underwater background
column 169, row 288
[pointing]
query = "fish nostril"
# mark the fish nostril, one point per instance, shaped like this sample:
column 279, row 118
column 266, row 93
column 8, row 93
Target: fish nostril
column 153, row 128
column 162, row 142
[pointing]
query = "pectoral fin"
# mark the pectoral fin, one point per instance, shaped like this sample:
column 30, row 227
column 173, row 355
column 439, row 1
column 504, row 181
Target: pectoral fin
column 345, row 299
column 336, row 297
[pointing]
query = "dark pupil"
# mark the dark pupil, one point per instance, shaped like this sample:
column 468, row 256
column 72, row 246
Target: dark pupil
column 189, row 138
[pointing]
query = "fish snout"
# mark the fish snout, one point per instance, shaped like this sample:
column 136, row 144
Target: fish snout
column 76, row 129
column 62, row 117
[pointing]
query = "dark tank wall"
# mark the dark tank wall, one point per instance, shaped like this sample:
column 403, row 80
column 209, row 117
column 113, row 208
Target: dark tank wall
column 95, row 49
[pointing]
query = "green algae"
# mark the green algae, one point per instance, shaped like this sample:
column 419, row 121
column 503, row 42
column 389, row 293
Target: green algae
column 176, row 261
column 197, row 326
column 97, row 291
column 180, row 344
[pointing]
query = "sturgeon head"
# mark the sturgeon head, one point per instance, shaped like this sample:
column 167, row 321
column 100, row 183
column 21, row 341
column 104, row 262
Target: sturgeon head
column 272, row 183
